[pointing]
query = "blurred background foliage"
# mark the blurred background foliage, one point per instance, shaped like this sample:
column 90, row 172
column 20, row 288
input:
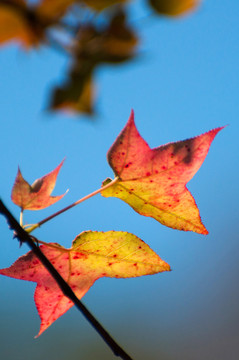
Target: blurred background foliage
column 90, row 32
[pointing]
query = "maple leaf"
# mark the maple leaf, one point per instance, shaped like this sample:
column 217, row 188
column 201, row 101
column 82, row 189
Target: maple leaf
column 173, row 7
column 35, row 196
column 93, row 255
column 153, row 181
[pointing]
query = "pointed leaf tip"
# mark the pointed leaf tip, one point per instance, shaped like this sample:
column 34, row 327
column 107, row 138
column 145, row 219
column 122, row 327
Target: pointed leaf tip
column 35, row 196
column 153, row 181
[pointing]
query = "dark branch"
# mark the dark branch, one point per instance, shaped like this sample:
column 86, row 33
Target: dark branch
column 24, row 237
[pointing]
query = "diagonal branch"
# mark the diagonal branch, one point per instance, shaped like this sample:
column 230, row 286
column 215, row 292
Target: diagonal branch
column 23, row 236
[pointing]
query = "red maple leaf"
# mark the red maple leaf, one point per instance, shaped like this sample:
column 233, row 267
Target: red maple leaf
column 153, row 181
column 93, row 255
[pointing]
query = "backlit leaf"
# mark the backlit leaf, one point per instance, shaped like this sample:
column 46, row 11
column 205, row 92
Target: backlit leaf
column 93, row 255
column 35, row 196
column 153, row 181
column 173, row 7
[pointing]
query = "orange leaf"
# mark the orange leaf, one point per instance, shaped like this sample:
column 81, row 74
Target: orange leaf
column 153, row 181
column 173, row 7
column 15, row 24
column 93, row 255
column 54, row 9
column 35, row 196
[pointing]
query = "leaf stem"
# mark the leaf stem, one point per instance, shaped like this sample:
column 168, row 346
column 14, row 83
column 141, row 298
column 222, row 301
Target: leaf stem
column 35, row 226
column 53, row 246
column 21, row 217
column 23, row 236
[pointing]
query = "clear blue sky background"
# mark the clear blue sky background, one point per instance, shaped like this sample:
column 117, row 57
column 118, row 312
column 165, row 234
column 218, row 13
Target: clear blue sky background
column 184, row 83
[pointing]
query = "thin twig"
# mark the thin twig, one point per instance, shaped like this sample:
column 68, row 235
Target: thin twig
column 23, row 236
column 35, row 226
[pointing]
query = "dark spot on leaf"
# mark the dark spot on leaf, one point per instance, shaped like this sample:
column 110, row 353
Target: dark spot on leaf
column 189, row 146
column 163, row 167
column 127, row 165
column 110, row 264
column 148, row 173
column 72, row 274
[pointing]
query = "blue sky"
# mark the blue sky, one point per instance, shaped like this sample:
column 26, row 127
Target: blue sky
column 185, row 82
